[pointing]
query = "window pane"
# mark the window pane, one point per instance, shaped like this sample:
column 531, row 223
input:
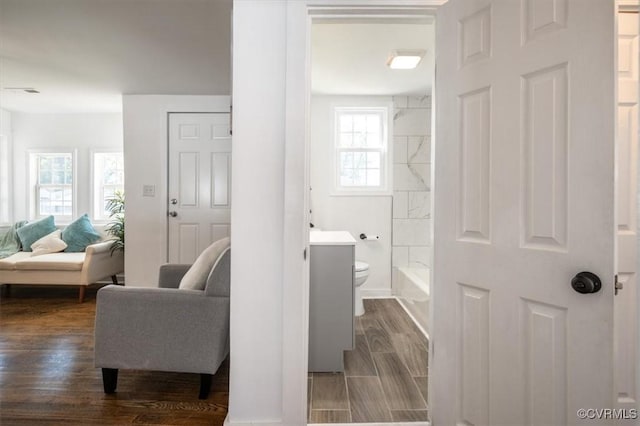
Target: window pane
column 59, row 163
column 359, row 160
column 360, row 139
column 44, row 177
column 373, row 177
column 58, row 177
column 360, row 177
column 45, row 163
column 346, row 160
column 45, row 208
column 346, row 123
column 373, row 139
column 373, row 160
column 373, row 123
column 346, row 139
column 346, row 177
column 360, row 123
column 57, row 194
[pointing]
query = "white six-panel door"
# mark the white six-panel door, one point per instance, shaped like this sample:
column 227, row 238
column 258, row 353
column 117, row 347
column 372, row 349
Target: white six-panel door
column 626, row 311
column 199, row 199
column 525, row 158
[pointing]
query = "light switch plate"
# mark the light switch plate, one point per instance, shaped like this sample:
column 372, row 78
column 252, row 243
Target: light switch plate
column 148, row 190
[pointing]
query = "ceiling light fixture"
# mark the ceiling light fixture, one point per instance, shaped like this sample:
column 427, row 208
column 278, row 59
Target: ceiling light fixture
column 405, row 59
column 22, row 89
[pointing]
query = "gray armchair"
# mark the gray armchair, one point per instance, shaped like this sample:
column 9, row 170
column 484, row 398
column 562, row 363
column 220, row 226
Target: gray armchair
column 166, row 328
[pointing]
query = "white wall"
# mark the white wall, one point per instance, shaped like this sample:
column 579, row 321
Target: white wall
column 145, row 157
column 356, row 214
column 6, row 168
column 257, row 216
column 82, row 132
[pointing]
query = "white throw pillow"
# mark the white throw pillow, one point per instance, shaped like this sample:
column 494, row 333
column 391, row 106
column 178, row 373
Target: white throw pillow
column 196, row 276
column 51, row 243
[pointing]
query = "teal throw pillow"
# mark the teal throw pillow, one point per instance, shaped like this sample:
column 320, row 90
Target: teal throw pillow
column 33, row 231
column 79, row 234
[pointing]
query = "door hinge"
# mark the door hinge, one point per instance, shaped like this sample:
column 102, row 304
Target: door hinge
column 617, row 285
column 304, row 254
column 230, row 120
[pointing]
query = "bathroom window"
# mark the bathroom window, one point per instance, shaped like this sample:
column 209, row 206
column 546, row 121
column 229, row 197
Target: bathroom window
column 361, row 140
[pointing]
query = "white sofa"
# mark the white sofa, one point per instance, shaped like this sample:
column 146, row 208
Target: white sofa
column 78, row 269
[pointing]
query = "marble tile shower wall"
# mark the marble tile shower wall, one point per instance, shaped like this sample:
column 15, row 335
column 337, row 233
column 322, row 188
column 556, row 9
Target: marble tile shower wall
column 411, row 181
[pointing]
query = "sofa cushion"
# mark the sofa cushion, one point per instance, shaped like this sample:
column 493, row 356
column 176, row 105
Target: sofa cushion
column 33, row 231
column 196, row 276
column 9, row 263
column 79, row 234
column 51, row 243
column 52, row 262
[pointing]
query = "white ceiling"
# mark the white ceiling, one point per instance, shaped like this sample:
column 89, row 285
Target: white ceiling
column 82, row 55
column 350, row 58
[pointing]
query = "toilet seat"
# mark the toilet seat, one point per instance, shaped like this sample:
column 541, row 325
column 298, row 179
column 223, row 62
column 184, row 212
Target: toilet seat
column 361, row 266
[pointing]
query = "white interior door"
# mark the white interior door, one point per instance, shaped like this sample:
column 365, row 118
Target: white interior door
column 524, row 156
column 626, row 312
column 199, row 199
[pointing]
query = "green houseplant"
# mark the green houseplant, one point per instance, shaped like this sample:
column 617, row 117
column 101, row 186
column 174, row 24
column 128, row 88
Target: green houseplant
column 115, row 228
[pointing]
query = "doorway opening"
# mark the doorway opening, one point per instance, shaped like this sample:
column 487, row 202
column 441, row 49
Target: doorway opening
column 535, row 321
column 370, row 212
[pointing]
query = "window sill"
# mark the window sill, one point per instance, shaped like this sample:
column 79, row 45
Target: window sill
column 361, row 194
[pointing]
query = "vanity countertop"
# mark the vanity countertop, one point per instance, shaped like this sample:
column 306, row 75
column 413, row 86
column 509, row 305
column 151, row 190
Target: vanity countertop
column 331, row 238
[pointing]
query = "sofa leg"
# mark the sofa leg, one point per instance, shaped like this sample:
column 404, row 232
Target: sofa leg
column 114, row 280
column 81, row 293
column 205, row 385
column 109, row 379
column 7, row 290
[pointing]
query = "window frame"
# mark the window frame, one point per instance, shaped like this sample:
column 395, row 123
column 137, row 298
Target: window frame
column 6, row 181
column 34, row 186
column 97, row 187
column 385, row 110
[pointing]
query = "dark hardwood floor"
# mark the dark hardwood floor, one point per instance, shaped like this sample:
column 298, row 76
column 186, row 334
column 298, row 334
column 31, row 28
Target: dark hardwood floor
column 47, row 374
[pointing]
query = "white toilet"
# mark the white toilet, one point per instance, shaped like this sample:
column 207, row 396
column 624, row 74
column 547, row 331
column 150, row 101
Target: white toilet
column 362, row 273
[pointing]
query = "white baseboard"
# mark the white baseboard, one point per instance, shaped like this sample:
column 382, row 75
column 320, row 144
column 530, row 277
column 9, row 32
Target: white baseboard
column 375, row 293
column 228, row 422
column 374, row 424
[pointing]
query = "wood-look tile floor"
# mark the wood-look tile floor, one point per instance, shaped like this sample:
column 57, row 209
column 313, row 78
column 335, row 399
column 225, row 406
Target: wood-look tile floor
column 47, row 374
column 385, row 377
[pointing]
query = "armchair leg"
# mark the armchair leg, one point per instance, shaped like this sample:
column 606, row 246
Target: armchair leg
column 81, row 293
column 109, row 379
column 114, row 280
column 205, row 385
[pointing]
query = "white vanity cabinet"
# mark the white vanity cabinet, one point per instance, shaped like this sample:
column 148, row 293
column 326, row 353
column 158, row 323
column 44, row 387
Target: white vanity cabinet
column 331, row 315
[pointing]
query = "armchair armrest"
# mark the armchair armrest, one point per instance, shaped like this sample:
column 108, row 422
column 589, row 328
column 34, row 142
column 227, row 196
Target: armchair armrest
column 161, row 329
column 171, row 274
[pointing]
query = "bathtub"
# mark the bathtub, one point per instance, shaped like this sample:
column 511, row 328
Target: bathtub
column 411, row 288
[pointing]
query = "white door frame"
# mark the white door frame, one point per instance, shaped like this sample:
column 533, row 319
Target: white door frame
column 295, row 297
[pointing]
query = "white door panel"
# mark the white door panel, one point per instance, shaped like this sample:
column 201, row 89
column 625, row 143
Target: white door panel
column 199, row 182
column 626, row 313
column 524, row 156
